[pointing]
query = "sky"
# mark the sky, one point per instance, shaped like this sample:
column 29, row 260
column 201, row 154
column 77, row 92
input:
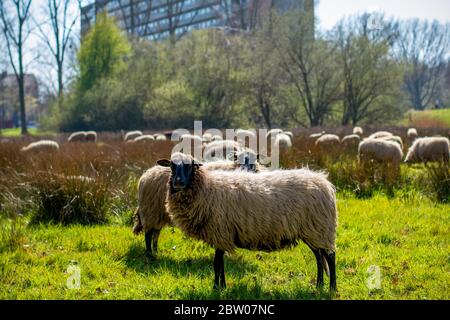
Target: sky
column 329, row 12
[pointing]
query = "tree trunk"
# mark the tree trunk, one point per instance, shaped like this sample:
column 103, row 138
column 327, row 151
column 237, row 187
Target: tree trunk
column 23, row 122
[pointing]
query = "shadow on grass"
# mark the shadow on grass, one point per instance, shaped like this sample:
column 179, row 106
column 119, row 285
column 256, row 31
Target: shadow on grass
column 235, row 267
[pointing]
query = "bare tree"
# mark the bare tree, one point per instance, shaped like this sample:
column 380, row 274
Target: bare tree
column 369, row 74
column 423, row 47
column 61, row 23
column 14, row 16
column 310, row 66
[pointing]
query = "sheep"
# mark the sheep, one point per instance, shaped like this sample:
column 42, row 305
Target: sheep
column 219, row 150
column 381, row 151
column 160, row 137
column 246, row 135
column 429, row 150
column 349, row 144
column 41, row 146
column 150, row 216
column 91, row 136
column 144, row 138
column 412, row 135
column 216, row 137
column 316, row 135
column 328, row 143
column 78, row 136
column 272, row 133
column 132, row 135
column 290, row 134
column 267, row 211
column 358, row 130
column 283, row 141
column 207, row 137
column 380, row 134
column 395, row 139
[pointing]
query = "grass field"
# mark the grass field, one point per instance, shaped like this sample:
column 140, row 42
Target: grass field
column 15, row 132
column 428, row 118
column 407, row 239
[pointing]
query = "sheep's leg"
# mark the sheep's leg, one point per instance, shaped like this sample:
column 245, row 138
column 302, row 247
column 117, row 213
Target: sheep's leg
column 148, row 243
column 155, row 240
column 331, row 260
column 219, row 273
column 320, row 267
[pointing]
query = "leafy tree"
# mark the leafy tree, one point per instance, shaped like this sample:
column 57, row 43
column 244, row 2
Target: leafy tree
column 102, row 52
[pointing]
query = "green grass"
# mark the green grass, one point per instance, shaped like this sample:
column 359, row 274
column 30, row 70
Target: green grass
column 428, row 118
column 407, row 239
column 16, row 132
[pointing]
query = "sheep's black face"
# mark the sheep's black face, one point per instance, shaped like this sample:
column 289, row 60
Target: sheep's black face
column 248, row 164
column 181, row 174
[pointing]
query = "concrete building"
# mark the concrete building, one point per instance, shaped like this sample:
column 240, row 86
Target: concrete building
column 158, row 19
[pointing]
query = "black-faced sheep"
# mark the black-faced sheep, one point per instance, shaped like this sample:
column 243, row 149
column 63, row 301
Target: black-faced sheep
column 266, row 211
column 41, row 146
column 151, row 216
column 429, row 149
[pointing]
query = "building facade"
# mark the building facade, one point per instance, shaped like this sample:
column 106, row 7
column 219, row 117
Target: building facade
column 158, row 19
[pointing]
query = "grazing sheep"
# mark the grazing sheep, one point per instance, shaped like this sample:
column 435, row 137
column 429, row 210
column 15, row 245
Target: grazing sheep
column 380, row 134
column 220, row 150
column 272, row 133
column 381, row 151
column 283, row 141
column 429, row 150
column 144, row 138
column 132, row 135
column 358, row 130
column 78, row 136
column 349, row 144
column 160, row 137
column 412, row 135
column 267, row 211
column 151, row 216
column 328, row 143
column 316, row 135
column 217, row 138
column 41, row 146
column 91, row 136
column 207, row 137
column 396, row 139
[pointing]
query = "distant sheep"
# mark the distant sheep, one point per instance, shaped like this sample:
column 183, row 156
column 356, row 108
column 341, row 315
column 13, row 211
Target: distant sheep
column 380, row 134
column 328, row 143
column 396, row 139
column 246, row 135
column 160, row 137
column 151, row 216
column 216, row 137
column 220, row 150
column 350, row 143
column 316, row 135
column 207, row 137
column 273, row 133
column 429, row 150
column 283, row 141
column 267, row 211
column 380, row 151
column 41, row 146
column 412, row 134
column 144, row 138
column 358, row 130
column 78, row 136
column 91, row 136
column 132, row 135
column 290, row 134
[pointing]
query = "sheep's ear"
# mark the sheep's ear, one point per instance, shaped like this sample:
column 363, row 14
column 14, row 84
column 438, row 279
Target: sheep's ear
column 163, row 162
column 196, row 163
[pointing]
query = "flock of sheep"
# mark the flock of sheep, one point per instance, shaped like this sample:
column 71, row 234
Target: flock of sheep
column 385, row 147
column 232, row 201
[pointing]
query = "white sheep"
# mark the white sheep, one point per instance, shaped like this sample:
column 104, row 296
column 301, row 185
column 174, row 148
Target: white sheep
column 380, row 134
column 358, row 130
column 283, row 141
column 41, row 146
column 328, row 143
column 381, row 151
column 78, row 136
column 273, row 133
column 350, row 143
column 91, row 136
column 412, row 135
column 144, row 138
column 160, row 137
column 267, row 211
column 220, row 150
column 429, row 149
column 132, row 135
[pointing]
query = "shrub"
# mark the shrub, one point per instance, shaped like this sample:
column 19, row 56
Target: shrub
column 69, row 199
column 439, row 181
